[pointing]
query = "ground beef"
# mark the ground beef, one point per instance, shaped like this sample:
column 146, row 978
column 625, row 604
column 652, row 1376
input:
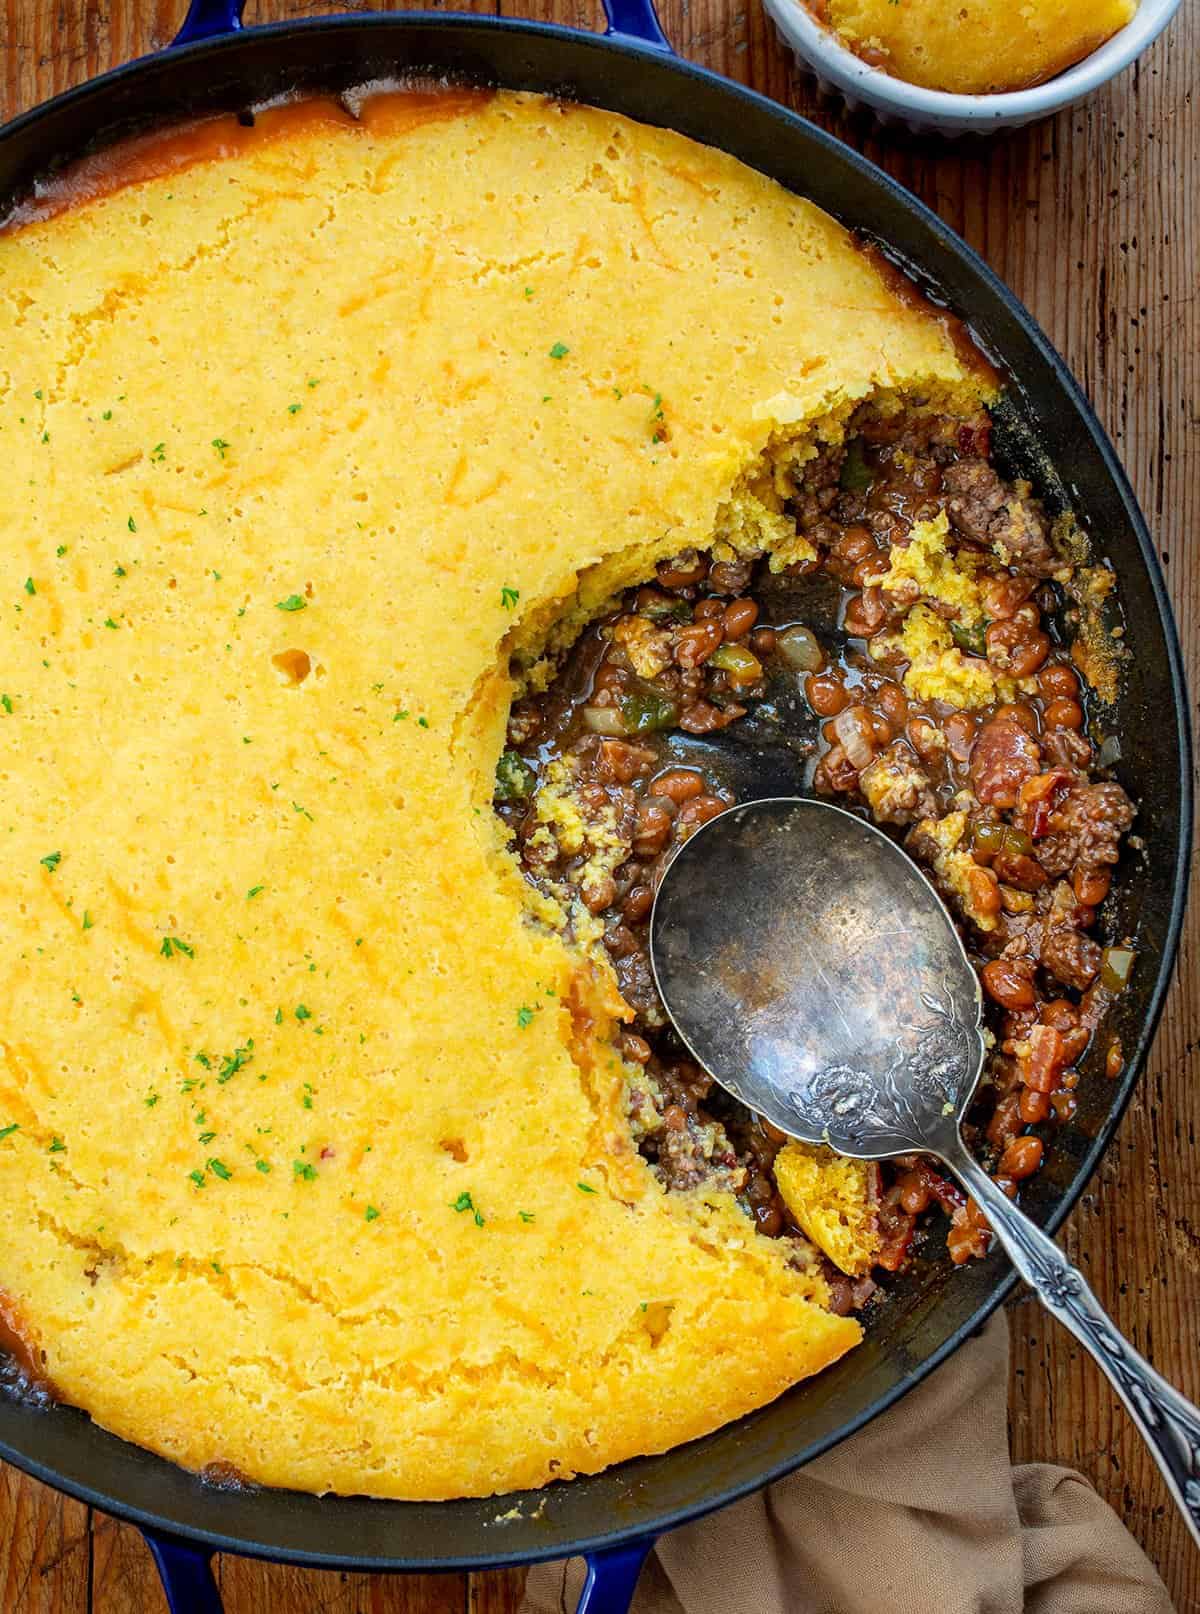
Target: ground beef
column 1085, row 829
column 988, row 512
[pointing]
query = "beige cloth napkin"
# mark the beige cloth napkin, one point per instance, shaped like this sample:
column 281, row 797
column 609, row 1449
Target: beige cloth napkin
column 920, row 1513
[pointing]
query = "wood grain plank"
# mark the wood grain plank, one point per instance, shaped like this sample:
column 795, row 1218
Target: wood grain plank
column 249, row 1587
column 45, row 1549
column 1092, row 218
column 124, row 1579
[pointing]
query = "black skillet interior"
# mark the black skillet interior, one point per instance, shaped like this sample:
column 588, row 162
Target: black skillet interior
column 1046, row 422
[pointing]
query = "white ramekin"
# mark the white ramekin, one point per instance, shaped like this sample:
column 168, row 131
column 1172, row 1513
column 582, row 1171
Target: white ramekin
column 840, row 71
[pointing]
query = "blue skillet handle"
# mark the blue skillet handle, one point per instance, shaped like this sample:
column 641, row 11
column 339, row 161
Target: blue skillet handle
column 627, row 19
column 186, row 1574
column 206, row 18
column 187, row 1577
column 612, row 1578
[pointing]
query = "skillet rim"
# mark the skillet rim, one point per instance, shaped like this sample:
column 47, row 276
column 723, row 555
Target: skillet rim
column 646, row 1522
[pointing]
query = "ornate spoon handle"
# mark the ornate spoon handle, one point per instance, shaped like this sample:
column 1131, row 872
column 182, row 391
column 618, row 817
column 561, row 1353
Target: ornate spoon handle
column 1169, row 1424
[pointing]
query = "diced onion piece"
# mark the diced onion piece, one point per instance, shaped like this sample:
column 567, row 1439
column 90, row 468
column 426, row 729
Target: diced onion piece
column 800, row 648
column 854, row 732
column 603, row 720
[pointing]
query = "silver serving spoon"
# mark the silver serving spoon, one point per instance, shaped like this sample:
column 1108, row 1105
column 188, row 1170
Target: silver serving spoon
column 814, row 972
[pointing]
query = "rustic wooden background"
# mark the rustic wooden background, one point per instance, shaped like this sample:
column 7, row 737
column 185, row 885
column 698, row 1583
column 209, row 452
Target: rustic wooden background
column 1094, row 219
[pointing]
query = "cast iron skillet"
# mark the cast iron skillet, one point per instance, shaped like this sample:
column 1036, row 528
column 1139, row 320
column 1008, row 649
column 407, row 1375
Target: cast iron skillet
column 1047, row 430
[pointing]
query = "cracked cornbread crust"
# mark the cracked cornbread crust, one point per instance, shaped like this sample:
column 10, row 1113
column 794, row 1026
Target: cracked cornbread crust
column 314, row 1154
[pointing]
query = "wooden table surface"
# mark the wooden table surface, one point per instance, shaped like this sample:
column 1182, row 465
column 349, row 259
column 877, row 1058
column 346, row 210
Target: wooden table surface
column 1093, row 219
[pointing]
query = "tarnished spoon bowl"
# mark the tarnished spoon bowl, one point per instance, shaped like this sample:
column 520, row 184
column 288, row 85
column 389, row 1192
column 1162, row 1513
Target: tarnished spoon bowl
column 813, row 970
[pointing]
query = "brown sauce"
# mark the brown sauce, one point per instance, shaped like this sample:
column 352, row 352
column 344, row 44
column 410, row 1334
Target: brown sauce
column 22, row 1370
column 160, row 152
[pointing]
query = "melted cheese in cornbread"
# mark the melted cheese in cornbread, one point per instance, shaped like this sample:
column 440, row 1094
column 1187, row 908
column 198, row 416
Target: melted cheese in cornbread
column 313, row 1149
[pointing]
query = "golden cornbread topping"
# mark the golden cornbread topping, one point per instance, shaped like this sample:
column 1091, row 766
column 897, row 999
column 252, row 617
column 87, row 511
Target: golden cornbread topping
column 978, row 47
column 316, row 1147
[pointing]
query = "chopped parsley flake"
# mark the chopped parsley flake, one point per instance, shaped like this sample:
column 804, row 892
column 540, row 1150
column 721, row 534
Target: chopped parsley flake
column 294, row 409
column 525, row 1017
column 464, row 1202
column 7, row 1131
column 220, row 1169
column 526, row 1216
column 109, row 623
column 253, row 892
column 371, row 1214
column 585, row 1188
column 30, row 586
column 57, row 1146
column 6, row 702
column 237, row 1060
column 303, row 1013
column 197, row 1177
column 119, row 571
column 262, row 1165
column 509, row 597
column 51, row 861
column 422, row 722
column 172, row 945
column 296, row 808
column 158, row 453
column 559, row 350
column 61, row 551
column 88, row 921
column 150, row 1100
column 131, row 524
column 303, row 1170
column 294, row 602
column 220, row 445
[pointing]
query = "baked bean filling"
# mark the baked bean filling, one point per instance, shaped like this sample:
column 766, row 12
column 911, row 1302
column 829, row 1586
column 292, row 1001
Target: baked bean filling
column 918, row 667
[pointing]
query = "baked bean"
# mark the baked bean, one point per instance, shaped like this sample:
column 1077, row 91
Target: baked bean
column 826, row 693
column 882, row 730
column 893, row 703
column 835, row 773
column 1063, row 713
column 1060, row 1014
column 708, row 610
column 915, row 1196
column 865, row 614
column 1021, row 1158
column 1020, row 712
column 854, row 544
column 1016, row 869
column 678, row 785
column 1034, row 1106
column 925, row 738
column 1056, row 680
column 1009, row 985
column 599, row 895
column 1004, row 595
column 960, row 729
column 696, row 812
column 1064, row 1106
column 696, row 642
column 1016, row 647
column 730, row 576
column 653, row 828
column 1091, row 885
column 740, row 616
column 637, row 904
column 762, row 641
column 634, row 1048
column 684, row 570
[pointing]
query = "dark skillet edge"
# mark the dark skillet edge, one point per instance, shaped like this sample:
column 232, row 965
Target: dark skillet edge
column 645, row 1520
